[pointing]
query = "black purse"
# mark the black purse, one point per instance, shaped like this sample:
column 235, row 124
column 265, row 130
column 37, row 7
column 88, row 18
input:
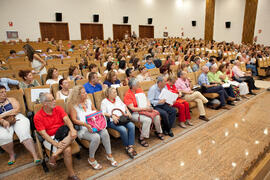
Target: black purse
column 60, row 134
column 122, row 119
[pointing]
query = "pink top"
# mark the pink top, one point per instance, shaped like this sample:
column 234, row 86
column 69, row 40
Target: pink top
column 237, row 72
column 182, row 85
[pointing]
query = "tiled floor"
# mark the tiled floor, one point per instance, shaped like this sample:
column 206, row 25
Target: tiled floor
column 164, row 164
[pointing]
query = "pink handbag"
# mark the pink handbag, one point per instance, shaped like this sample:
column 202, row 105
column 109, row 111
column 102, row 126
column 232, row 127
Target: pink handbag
column 96, row 120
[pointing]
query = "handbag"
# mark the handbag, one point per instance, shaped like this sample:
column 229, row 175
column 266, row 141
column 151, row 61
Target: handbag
column 96, row 120
column 60, row 134
column 122, row 119
column 152, row 114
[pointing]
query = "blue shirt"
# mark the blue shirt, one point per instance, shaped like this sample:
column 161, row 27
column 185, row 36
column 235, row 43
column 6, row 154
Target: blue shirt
column 208, row 64
column 150, row 66
column 6, row 81
column 109, row 83
column 195, row 67
column 153, row 95
column 203, row 79
column 90, row 89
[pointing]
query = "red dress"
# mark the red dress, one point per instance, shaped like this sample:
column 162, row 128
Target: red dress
column 181, row 105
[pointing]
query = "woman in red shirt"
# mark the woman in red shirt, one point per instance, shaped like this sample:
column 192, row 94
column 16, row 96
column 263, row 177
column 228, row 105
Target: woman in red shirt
column 180, row 104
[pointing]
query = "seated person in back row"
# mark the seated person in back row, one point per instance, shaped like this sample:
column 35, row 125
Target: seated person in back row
column 213, row 88
column 53, row 76
column 6, row 81
column 111, row 80
column 149, row 62
column 28, row 80
column 93, row 85
column 47, row 121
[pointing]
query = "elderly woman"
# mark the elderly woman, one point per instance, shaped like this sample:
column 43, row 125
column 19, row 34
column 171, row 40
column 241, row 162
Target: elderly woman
column 73, row 74
column 10, row 112
column 79, row 106
column 241, row 76
column 64, row 90
column 28, row 80
column 182, row 105
column 53, row 77
column 127, row 131
column 111, row 80
column 131, row 102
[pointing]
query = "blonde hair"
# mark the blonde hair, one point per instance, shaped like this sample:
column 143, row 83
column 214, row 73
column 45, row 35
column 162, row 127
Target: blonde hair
column 74, row 97
column 171, row 78
column 108, row 91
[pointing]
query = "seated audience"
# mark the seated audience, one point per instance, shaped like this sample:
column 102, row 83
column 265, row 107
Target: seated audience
column 149, row 62
column 213, row 88
column 182, row 105
column 47, row 121
column 74, row 74
column 6, row 81
column 167, row 112
column 11, row 120
column 12, row 55
column 110, row 67
column 241, row 76
column 137, row 116
column 111, row 80
column 53, row 77
column 93, row 68
column 64, row 90
column 80, row 106
column 28, row 80
column 184, row 85
column 144, row 75
column 93, row 85
column 122, row 66
column 127, row 131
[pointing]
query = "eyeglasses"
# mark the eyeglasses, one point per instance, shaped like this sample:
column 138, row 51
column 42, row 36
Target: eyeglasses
column 52, row 100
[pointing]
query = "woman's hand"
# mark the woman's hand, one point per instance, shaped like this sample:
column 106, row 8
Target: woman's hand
column 88, row 127
column 115, row 119
column 5, row 124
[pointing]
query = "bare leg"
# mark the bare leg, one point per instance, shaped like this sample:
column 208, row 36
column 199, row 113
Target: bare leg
column 29, row 145
column 10, row 150
column 68, row 161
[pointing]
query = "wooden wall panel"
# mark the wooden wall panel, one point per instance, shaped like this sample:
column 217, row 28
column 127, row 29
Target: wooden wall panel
column 89, row 31
column 146, row 31
column 58, row 31
column 249, row 21
column 120, row 30
column 209, row 20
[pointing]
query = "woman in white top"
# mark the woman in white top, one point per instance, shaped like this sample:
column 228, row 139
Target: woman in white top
column 122, row 66
column 79, row 106
column 53, row 77
column 93, row 68
column 38, row 64
column 110, row 67
column 127, row 131
column 64, row 90
column 144, row 75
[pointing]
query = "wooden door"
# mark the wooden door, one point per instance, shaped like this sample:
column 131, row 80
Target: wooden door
column 146, row 31
column 89, row 31
column 58, row 31
column 120, row 30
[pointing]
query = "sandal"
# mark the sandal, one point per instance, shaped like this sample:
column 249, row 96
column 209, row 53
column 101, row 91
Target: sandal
column 143, row 143
column 52, row 163
column 94, row 164
column 130, row 152
column 37, row 161
column 113, row 162
column 12, row 162
column 159, row 135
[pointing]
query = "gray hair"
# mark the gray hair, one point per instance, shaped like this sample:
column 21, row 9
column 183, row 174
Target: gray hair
column 43, row 97
column 160, row 79
column 132, row 82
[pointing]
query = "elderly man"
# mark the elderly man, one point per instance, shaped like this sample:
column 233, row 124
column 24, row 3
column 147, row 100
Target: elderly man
column 214, row 78
column 213, row 88
column 183, row 84
column 47, row 122
column 167, row 113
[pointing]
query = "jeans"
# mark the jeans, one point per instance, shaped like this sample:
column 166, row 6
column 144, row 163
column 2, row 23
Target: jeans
column 221, row 91
column 127, row 132
column 168, row 115
column 253, row 69
column 229, row 91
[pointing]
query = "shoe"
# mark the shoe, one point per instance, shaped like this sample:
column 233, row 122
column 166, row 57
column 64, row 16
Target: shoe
column 256, row 88
column 203, row 118
column 238, row 99
column 225, row 107
column 171, row 133
column 73, row 177
column 231, row 99
column 165, row 133
column 189, row 123
column 113, row 162
column 252, row 93
column 182, row 125
column 230, row 103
